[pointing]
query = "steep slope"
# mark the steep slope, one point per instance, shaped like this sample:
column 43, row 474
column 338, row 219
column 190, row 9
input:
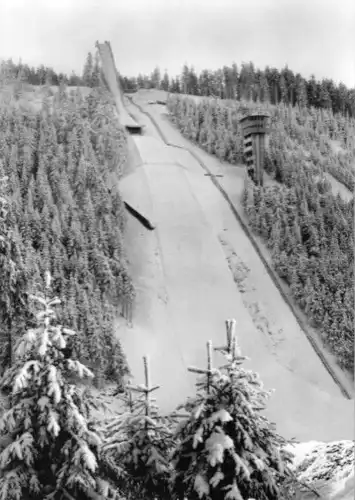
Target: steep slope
column 185, row 291
column 109, row 70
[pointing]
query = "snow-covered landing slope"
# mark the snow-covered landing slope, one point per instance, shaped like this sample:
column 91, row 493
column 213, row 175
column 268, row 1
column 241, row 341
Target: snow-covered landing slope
column 185, row 291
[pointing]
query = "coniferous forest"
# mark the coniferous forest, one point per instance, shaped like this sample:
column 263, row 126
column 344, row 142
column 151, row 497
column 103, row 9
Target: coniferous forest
column 250, row 83
column 308, row 230
column 230, row 82
column 64, row 214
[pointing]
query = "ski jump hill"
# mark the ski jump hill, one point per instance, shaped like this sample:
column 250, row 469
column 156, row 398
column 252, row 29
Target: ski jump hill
column 186, row 291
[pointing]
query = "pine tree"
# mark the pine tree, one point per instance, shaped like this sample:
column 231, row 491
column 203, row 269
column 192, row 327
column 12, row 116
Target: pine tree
column 251, row 207
column 246, row 190
column 283, row 88
column 165, row 82
column 88, row 70
column 96, row 72
column 275, row 234
column 19, row 84
column 227, row 449
column 265, row 90
column 296, row 285
column 138, row 445
column 48, row 447
column 263, row 225
column 156, row 78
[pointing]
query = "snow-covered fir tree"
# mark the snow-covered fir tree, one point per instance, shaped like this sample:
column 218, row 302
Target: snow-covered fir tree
column 88, row 70
column 226, row 448
column 13, row 278
column 138, row 445
column 48, row 448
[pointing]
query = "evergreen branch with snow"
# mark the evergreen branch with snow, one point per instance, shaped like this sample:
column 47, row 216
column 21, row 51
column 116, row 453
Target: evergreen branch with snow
column 138, row 444
column 227, row 449
column 47, row 444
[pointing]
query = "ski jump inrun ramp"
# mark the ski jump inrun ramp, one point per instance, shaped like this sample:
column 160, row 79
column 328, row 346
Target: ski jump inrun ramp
column 111, row 77
column 185, row 292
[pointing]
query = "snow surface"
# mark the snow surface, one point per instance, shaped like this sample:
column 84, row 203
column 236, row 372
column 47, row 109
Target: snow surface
column 327, row 467
column 186, row 290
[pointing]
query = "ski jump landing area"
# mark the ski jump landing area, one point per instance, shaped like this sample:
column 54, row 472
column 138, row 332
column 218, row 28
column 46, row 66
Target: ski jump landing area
column 186, row 291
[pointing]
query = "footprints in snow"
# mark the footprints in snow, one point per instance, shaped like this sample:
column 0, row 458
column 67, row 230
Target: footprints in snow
column 258, row 313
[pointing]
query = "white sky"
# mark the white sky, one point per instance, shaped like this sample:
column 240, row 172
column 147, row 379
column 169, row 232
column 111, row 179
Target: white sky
column 311, row 36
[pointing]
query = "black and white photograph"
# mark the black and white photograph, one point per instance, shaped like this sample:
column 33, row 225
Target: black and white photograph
column 177, row 249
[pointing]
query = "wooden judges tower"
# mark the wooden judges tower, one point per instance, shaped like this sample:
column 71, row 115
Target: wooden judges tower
column 254, row 129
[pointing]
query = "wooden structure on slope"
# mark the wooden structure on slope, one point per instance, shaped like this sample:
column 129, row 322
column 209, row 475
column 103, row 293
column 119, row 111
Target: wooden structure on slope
column 113, row 83
column 254, row 129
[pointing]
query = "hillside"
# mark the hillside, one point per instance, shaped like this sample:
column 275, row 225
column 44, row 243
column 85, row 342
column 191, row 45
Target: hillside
column 63, row 154
column 87, row 289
